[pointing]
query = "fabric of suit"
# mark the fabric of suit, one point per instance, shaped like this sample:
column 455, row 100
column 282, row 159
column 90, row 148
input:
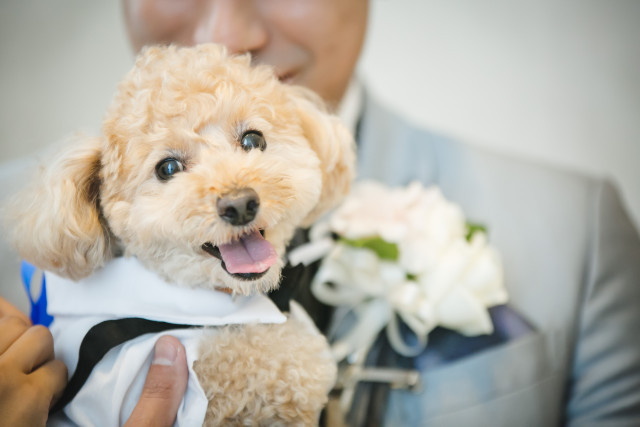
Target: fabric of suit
column 572, row 269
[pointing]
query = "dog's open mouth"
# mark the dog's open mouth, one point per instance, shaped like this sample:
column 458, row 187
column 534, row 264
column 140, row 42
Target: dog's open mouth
column 247, row 258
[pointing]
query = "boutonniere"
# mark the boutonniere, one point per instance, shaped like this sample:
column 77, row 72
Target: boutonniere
column 403, row 253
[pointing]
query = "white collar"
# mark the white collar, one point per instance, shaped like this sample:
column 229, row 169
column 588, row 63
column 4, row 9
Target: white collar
column 125, row 288
column 351, row 105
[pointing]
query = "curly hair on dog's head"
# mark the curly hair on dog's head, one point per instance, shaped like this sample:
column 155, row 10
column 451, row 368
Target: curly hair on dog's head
column 201, row 156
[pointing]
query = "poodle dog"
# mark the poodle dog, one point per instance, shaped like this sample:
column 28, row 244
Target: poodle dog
column 205, row 168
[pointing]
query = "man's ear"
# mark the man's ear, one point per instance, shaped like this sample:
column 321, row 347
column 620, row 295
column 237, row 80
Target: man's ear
column 56, row 223
column 333, row 144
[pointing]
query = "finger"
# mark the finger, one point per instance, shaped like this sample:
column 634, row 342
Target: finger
column 52, row 378
column 11, row 328
column 7, row 309
column 31, row 349
column 164, row 386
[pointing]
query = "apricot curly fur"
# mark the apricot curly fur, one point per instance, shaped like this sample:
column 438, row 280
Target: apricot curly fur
column 100, row 197
column 282, row 378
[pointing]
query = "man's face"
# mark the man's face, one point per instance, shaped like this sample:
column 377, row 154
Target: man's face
column 314, row 43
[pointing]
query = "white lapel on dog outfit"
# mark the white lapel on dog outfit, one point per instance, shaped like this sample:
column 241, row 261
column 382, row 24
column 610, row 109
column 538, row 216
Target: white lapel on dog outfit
column 124, row 288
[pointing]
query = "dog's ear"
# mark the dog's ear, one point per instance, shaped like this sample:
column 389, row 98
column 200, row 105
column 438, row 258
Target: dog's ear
column 332, row 143
column 55, row 223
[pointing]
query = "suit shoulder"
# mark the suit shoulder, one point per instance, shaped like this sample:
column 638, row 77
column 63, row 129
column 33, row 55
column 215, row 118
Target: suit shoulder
column 456, row 159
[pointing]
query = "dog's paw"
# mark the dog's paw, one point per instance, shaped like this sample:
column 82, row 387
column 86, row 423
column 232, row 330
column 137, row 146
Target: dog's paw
column 265, row 374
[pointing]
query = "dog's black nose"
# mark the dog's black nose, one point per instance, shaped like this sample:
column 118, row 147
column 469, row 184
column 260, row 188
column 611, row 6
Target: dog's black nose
column 239, row 207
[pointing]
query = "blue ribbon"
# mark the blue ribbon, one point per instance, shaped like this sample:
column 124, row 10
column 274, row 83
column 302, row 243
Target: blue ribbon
column 39, row 315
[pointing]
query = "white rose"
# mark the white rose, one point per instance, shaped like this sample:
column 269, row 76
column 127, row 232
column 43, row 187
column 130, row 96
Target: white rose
column 434, row 223
column 374, row 210
column 439, row 279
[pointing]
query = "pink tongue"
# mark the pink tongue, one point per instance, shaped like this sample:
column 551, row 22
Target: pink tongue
column 251, row 254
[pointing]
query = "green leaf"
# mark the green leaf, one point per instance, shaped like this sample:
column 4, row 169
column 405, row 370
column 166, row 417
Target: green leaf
column 382, row 248
column 412, row 277
column 473, row 228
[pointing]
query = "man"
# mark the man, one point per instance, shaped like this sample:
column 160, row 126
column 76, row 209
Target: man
column 570, row 253
column 571, row 256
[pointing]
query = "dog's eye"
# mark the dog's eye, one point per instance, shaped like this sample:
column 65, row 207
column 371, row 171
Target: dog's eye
column 167, row 168
column 253, row 139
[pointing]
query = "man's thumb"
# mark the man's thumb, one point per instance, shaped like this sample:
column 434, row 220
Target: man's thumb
column 164, row 387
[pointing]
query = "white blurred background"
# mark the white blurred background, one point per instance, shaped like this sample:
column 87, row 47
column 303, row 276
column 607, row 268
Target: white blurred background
column 556, row 81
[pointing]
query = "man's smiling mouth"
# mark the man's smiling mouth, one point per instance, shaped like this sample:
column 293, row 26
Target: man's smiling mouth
column 287, row 76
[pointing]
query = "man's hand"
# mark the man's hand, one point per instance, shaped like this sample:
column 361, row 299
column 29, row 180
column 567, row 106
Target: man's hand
column 31, row 379
column 165, row 385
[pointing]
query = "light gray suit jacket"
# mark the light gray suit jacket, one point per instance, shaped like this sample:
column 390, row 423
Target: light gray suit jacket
column 572, row 269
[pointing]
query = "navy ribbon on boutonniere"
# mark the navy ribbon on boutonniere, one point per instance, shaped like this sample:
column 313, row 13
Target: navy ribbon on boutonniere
column 39, row 315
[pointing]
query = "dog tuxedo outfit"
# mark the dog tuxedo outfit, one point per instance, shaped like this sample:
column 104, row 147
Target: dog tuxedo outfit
column 124, row 308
